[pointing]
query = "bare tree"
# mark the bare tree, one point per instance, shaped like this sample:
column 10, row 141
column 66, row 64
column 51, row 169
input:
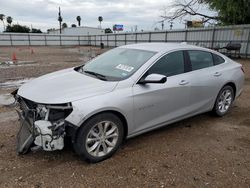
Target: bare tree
column 182, row 8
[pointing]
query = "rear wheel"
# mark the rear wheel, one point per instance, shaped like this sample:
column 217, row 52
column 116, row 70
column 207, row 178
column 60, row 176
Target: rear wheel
column 99, row 138
column 224, row 101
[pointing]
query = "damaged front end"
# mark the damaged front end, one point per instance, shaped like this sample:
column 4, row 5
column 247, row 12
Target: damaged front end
column 42, row 125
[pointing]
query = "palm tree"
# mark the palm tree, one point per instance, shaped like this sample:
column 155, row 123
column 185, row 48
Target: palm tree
column 78, row 18
column 9, row 20
column 100, row 19
column 2, row 16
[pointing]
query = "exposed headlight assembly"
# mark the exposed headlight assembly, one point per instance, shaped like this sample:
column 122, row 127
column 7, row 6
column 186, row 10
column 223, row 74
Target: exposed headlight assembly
column 50, row 127
column 41, row 124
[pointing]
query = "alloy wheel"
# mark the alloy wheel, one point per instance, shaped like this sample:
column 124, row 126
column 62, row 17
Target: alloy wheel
column 225, row 101
column 102, row 138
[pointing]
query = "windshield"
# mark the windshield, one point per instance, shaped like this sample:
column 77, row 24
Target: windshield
column 117, row 64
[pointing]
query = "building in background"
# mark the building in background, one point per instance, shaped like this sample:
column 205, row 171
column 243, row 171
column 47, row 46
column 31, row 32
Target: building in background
column 78, row 31
column 195, row 23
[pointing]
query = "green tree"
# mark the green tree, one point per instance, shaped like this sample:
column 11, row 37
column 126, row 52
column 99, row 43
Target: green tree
column 34, row 30
column 78, row 18
column 64, row 25
column 2, row 17
column 108, row 30
column 17, row 28
column 73, row 25
column 51, row 29
column 231, row 11
column 9, row 20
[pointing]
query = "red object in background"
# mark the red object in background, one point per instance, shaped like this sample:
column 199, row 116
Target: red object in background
column 14, row 57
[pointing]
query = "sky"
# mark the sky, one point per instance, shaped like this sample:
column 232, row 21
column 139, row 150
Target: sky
column 43, row 14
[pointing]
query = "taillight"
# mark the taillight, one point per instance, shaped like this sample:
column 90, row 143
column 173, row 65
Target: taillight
column 242, row 69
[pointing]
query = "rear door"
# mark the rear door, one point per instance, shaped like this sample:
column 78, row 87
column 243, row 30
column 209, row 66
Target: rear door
column 155, row 104
column 205, row 81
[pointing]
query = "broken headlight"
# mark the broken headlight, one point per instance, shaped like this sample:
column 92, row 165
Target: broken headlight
column 53, row 112
column 50, row 126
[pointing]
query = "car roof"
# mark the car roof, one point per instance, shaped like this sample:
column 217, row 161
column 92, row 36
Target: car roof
column 160, row 46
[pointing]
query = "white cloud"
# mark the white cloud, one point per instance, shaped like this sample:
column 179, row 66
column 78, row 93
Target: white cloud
column 43, row 13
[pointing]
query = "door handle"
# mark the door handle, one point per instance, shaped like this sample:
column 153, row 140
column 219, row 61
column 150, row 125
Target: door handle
column 183, row 82
column 217, row 74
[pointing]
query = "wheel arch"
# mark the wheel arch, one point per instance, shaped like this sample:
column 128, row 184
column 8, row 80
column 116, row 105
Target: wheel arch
column 115, row 112
column 233, row 85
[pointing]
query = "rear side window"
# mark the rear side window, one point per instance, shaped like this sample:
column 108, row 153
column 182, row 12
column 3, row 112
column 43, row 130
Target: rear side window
column 218, row 59
column 200, row 59
column 169, row 65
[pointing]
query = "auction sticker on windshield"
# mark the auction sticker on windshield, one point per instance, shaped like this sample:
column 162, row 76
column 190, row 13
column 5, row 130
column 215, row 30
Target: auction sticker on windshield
column 124, row 67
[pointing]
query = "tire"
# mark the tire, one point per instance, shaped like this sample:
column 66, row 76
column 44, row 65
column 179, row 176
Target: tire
column 99, row 138
column 224, row 101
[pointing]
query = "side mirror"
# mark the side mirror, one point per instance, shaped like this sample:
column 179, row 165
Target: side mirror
column 153, row 78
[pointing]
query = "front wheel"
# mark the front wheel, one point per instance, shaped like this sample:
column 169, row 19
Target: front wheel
column 99, row 138
column 224, row 101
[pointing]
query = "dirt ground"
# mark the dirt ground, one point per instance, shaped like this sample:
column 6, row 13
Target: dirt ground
column 203, row 151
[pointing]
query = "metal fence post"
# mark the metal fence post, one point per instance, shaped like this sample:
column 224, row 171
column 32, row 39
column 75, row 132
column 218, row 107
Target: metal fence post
column 212, row 42
column 149, row 37
column 166, row 36
column 186, row 31
column 45, row 40
column 248, row 40
column 29, row 38
column 125, row 38
column 115, row 40
column 60, row 40
column 78, row 38
column 95, row 40
column 11, row 43
column 107, row 40
column 135, row 37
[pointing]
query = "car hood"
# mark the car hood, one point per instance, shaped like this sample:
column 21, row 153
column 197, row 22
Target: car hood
column 64, row 86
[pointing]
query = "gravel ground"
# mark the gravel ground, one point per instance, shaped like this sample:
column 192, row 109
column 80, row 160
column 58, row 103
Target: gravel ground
column 203, row 151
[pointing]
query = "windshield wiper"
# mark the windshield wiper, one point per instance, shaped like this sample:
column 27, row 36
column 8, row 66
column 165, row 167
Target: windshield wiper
column 99, row 76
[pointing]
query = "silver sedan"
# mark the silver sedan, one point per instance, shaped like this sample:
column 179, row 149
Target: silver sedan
column 122, row 93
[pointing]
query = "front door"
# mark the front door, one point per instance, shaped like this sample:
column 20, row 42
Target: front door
column 156, row 104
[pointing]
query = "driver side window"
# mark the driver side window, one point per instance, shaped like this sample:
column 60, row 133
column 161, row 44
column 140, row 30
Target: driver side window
column 169, row 65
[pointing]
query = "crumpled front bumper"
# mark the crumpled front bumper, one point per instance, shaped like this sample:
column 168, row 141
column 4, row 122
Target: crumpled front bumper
column 26, row 133
column 41, row 126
